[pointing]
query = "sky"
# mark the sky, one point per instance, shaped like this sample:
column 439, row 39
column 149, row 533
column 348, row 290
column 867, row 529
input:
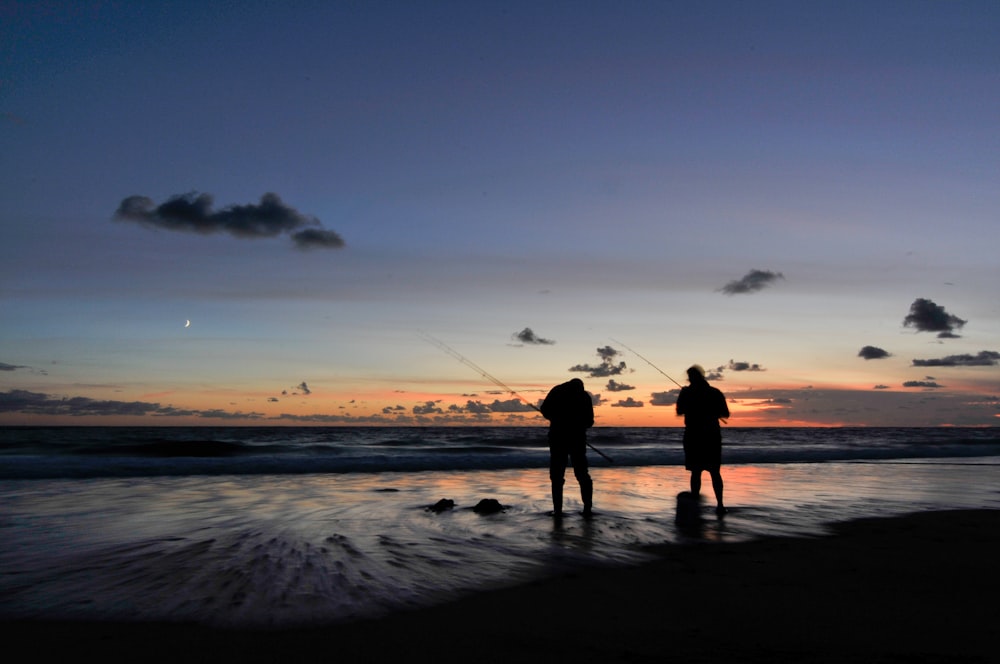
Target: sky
column 325, row 213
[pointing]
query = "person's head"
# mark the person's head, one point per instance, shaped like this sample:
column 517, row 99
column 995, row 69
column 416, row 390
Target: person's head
column 576, row 384
column 696, row 374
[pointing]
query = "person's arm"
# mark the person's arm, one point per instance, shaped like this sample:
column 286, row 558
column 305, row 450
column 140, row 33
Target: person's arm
column 723, row 407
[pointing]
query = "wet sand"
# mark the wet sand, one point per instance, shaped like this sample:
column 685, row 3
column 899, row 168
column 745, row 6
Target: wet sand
column 915, row 588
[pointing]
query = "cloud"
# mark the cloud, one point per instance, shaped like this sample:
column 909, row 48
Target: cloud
column 744, row 366
column 881, row 387
column 510, row 406
column 193, row 213
column 751, row 282
column 607, row 366
column 38, row 403
column 317, row 238
column 615, row 386
column 304, row 388
column 427, row 408
column 627, row 403
column 985, row 358
column 926, row 316
column 11, row 367
column 663, row 398
column 873, row 353
column 498, row 406
column 528, row 336
column 922, row 383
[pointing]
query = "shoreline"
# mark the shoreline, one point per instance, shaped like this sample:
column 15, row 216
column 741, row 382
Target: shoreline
column 887, row 589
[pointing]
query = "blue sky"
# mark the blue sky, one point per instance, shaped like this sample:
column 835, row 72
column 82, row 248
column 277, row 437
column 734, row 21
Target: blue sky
column 764, row 188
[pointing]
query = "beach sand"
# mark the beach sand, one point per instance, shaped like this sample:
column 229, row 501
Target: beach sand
column 916, row 588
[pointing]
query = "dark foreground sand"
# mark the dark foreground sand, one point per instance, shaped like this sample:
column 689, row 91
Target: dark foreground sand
column 922, row 588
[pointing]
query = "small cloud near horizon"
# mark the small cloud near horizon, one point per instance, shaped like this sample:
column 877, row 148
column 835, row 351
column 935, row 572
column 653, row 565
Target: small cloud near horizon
column 663, row 398
column 627, row 403
column 873, row 353
column 922, row 383
column 985, row 358
column 753, row 281
column 615, row 386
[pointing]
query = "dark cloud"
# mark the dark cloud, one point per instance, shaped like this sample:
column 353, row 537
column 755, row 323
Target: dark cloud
column 428, row 408
column 606, row 368
column 193, row 213
column 23, row 401
column 663, row 398
column 985, row 358
column 498, row 406
column 475, row 407
column 607, row 353
column 714, row 374
column 881, row 387
column 317, row 238
column 922, row 383
column 510, row 406
column 926, row 316
column 751, row 282
column 37, row 403
column 217, row 413
column 744, row 366
column 615, row 386
column 627, row 403
column 10, row 367
column 873, row 353
column 528, row 336
column 303, row 388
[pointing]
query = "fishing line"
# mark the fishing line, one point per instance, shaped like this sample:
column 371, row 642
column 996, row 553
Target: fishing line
column 490, row 377
column 472, row 365
column 647, row 362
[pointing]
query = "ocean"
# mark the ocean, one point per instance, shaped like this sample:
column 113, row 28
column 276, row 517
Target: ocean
column 279, row 526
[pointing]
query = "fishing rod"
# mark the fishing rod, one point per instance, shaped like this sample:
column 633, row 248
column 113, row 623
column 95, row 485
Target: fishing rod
column 647, row 362
column 490, row 377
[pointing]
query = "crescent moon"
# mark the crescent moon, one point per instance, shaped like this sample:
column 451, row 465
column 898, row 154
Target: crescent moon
column 187, row 323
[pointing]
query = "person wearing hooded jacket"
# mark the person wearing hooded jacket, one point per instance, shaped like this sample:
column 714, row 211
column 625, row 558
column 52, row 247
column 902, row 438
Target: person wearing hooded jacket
column 702, row 407
column 570, row 411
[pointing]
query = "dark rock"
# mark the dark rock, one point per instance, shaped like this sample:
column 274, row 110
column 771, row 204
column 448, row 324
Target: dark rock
column 441, row 505
column 488, row 506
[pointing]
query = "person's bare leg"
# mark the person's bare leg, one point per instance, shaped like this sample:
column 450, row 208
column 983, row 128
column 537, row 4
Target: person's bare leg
column 587, row 494
column 717, row 487
column 557, row 497
column 696, row 483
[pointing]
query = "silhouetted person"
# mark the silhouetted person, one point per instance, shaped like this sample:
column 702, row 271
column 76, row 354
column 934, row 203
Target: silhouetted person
column 570, row 412
column 702, row 407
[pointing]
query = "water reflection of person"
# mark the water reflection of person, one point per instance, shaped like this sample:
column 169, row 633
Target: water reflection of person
column 702, row 407
column 570, row 412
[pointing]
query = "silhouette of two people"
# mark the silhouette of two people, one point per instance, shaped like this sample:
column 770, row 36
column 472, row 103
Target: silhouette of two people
column 570, row 411
column 702, row 407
